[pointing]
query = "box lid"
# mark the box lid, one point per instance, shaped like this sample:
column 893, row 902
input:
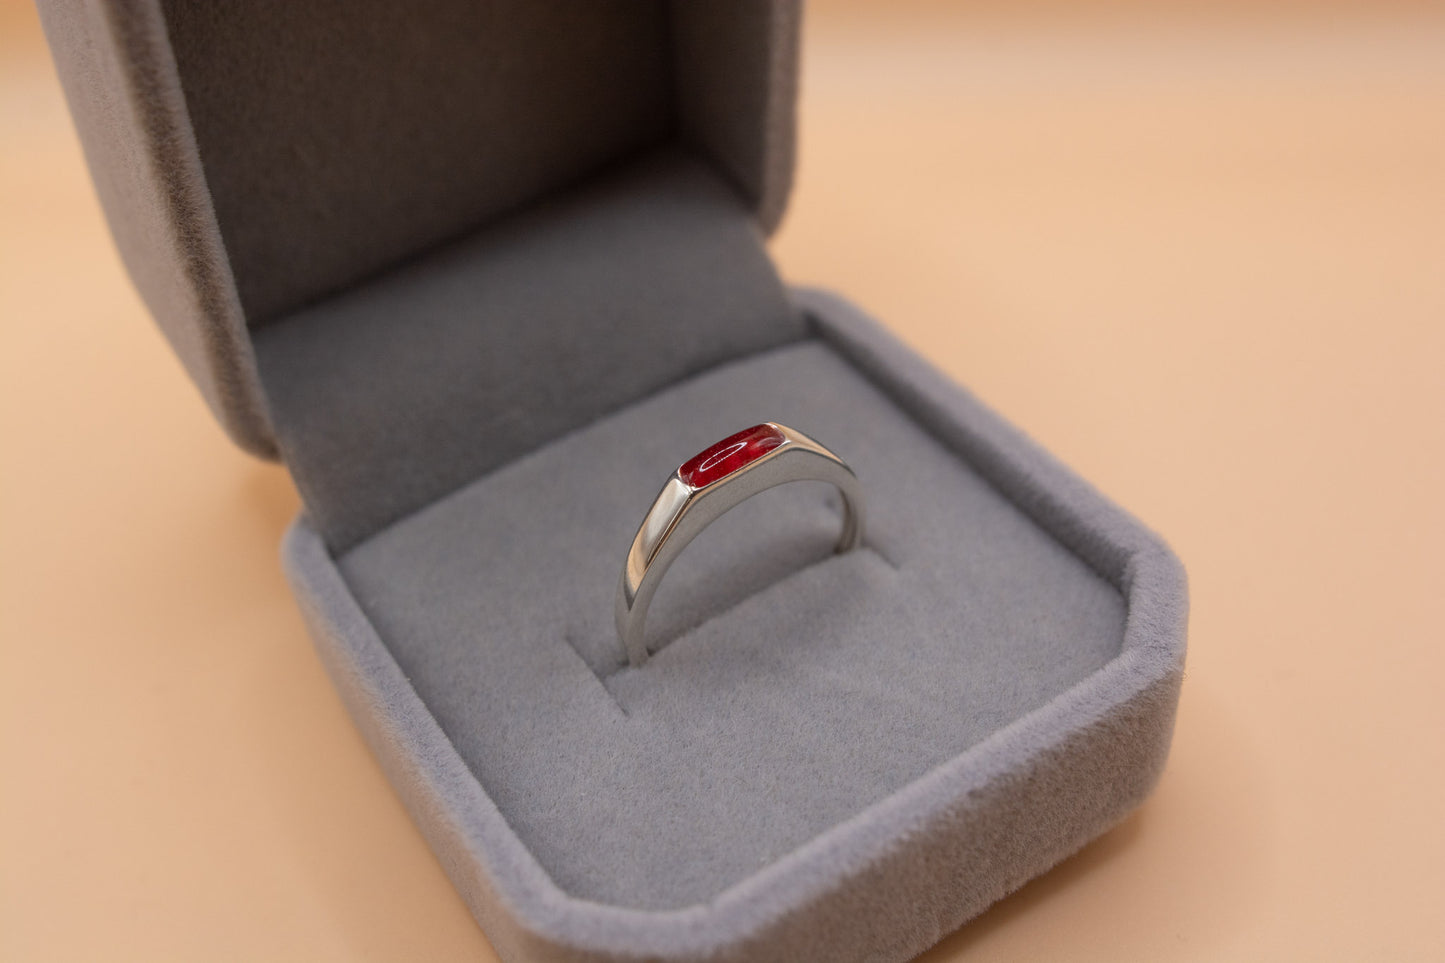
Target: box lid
column 256, row 160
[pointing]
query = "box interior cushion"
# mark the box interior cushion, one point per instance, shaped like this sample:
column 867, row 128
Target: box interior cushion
column 792, row 688
column 339, row 137
column 417, row 381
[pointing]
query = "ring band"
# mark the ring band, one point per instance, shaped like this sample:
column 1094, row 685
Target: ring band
column 707, row 485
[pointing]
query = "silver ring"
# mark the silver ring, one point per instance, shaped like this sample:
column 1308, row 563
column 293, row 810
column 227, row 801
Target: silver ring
column 706, row 486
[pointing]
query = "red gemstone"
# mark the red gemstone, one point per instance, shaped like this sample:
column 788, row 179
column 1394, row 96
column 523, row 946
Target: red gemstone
column 730, row 454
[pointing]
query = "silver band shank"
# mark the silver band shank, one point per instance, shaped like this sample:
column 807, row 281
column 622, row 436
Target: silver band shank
column 681, row 512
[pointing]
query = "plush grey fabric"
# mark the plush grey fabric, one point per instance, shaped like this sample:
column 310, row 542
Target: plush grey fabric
column 369, row 130
column 845, row 758
column 328, row 141
column 339, row 136
column 714, row 43
column 115, row 65
column 408, row 386
column 795, row 687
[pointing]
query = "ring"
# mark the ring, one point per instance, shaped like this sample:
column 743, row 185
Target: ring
column 707, row 485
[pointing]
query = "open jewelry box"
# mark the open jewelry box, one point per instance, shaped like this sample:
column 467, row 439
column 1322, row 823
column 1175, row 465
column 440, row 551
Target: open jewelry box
column 482, row 272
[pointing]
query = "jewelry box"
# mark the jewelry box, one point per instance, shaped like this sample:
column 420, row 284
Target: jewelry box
column 481, row 273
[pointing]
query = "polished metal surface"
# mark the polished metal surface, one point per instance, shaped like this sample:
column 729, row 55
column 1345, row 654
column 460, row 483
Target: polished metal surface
column 682, row 511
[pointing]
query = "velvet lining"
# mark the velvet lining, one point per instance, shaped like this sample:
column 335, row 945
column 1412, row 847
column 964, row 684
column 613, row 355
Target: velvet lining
column 843, row 763
column 412, row 384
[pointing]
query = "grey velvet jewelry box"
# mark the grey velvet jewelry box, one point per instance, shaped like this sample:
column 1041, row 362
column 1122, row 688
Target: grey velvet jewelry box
column 482, row 272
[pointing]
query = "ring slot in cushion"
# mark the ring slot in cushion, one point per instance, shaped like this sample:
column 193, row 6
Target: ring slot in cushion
column 797, row 705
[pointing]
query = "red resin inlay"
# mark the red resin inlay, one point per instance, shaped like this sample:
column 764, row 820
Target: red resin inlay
column 730, row 454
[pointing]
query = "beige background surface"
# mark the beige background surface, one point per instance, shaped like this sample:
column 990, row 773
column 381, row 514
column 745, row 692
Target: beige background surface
column 1200, row 257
